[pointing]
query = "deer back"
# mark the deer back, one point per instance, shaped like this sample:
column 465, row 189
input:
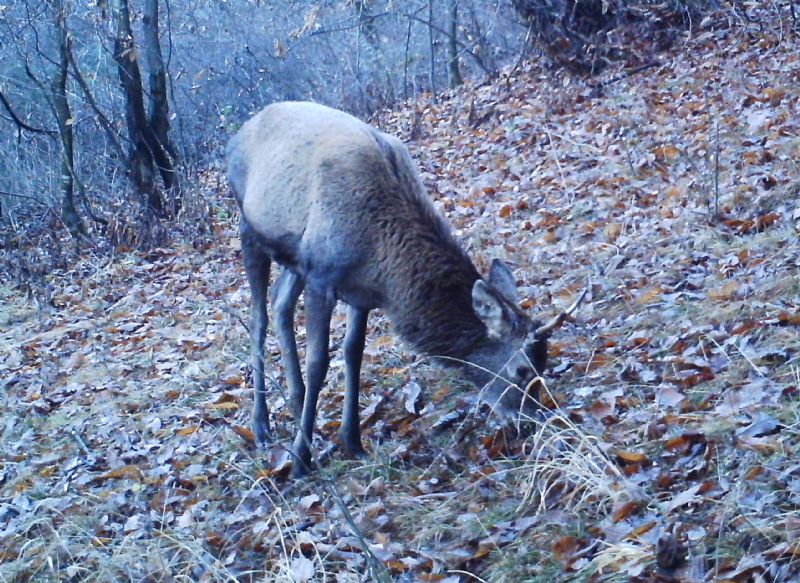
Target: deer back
column 341, row 203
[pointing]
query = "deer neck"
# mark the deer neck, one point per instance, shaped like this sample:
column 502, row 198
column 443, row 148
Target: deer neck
column 434, row 311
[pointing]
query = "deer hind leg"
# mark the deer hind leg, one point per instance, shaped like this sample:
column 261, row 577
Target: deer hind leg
column 284, row 296
column 350, row 432
column 319, row 306
column 257, row 264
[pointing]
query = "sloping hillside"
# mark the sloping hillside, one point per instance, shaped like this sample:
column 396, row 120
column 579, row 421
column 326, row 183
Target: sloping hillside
column 670, row 452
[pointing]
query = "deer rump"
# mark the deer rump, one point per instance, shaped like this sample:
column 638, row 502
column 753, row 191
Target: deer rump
column 341, row 206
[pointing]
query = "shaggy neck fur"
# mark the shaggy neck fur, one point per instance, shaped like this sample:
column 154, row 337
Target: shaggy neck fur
column 428, row 278
column 435, row 315
column 429, row 296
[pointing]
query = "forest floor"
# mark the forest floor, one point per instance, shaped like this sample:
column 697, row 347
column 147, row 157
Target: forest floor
column 671, row 449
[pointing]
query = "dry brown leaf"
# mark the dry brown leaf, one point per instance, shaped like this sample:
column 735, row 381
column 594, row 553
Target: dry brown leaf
column 666, row 152
column 640, row 530
column 632, row 457
column 128, row 471
column 245, row 433
column 725, row 292
column 623, row 511
column 649, row 295
column 396, row 566
column 192, row 429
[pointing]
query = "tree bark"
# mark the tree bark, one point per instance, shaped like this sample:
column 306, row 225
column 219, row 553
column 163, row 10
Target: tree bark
column 433, row 51
column 163, row 150
column 453, row 69
column 65, row 121
column 141, row 162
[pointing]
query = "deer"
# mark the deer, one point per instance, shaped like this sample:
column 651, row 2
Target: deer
column 341, row 207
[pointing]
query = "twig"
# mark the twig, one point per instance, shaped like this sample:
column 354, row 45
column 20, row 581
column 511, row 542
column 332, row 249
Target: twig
column 557, row 161
column 101, row 117
column 597, row 88
column 21, row 124
column 82, row 444
column 464, row 48
column 34, row 199
column 522, row 52
column 405, row 61
column 376, row 567
column 231, row 311
column 629, row 157
column 432, row 51
column 757, row 370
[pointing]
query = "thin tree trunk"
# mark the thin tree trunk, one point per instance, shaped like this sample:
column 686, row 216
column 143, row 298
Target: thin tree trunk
column 359, row 10
column 58, row 92
column 162, row 148
column 406, row 61
column 433, row 51
column 141, row 163
column 453, row 69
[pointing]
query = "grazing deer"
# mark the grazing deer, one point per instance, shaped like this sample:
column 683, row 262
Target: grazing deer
column 341, row 206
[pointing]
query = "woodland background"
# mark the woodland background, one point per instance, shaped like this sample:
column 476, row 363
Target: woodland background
column 648, row 148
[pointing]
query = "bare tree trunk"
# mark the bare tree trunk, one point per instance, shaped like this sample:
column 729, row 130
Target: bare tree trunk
column 61, row 109
column 141, row 164
column 454, row 72
column 406, row 61
column 433, row 50
column 164, row 152
column 359, row 11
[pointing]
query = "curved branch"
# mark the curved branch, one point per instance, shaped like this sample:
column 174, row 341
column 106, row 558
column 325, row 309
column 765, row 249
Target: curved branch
column 26, row 197
column 101, row 118
column 21, row 124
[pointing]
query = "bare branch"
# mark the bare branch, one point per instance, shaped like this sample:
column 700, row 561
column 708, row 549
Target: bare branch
column 25, row 196
column 21, row 124
column 447, row 34
column 101, row 118
column 351, row 24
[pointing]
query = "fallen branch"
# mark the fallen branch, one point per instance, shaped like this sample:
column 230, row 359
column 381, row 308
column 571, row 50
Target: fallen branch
column 597, row 88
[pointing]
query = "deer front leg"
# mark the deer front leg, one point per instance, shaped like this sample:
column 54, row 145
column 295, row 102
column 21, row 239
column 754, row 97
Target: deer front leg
column 350, row 432
column 284, row 296
column 319, row 307
column 257, row 265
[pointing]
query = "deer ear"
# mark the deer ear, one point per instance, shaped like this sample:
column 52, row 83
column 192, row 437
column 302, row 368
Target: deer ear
column 491, row 309
column 501, row 279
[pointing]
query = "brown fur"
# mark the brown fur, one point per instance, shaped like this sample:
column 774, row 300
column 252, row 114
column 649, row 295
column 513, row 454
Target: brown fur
column 341, row 206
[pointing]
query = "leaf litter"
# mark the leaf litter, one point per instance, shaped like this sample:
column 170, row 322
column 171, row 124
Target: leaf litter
column 669, row 450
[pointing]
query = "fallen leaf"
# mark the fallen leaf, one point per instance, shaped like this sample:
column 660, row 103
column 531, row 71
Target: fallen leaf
column 128, row 471
column 245, row 433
